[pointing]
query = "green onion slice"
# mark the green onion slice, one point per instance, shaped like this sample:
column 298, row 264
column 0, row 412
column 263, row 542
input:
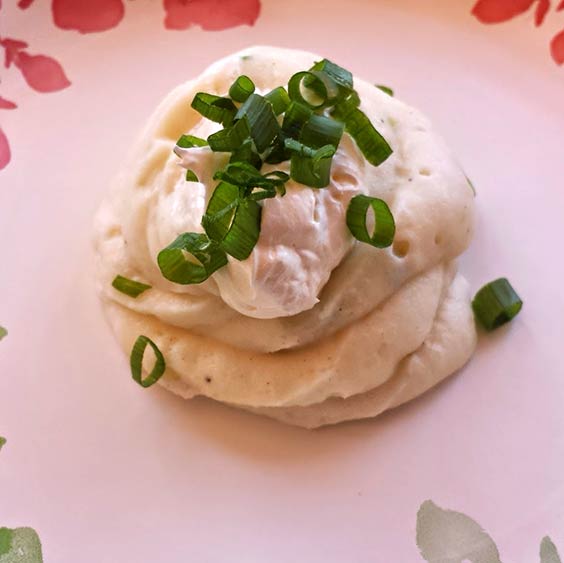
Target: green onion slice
column 215, row 108
column 189, row 141
column 241, row 89
column 384, row 228
column 231, row 138
column 129, row 287
column 176, row 267
column 311, row 167
column 191, row 176
column 3, row 332
column 496, row 304
column 294, row 119
column 232, row 221
column 385, row 89
column 313, row 89
column 279, row 99
column 371, row 143
column 264, row 127
column 320, row 130
column 136, row 362
column 338, row 74
column 2, row 442
column 246, row 153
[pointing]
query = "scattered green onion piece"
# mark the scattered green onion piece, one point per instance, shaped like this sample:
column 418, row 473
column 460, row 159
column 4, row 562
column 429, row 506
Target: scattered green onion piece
column 277, row 153
column 191, row 176
column 230, row 139
column 311, row 167
column 338, row 74
column 129, row 287
column 373, row 146
column 2, row 442
column 189, row 141
column 262, row 122
column 294, row 119
column 242, row 88
column 177, row 268
column 215, row 108
column 247, row 153
column 231, row 221
column 384, row 228
column 136, row 362
column 244, row 232
column 496, row 304
column 220, row 211
column 279, row 99
column 321, row 90
column 385, row 89
column 247, row 177
column 320, row 130
column 3, row 332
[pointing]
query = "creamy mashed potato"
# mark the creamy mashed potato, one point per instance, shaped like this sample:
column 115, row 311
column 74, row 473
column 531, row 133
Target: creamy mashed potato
column 314, row 327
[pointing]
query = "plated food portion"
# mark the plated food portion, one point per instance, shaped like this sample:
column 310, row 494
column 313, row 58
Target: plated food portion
column 283, row 238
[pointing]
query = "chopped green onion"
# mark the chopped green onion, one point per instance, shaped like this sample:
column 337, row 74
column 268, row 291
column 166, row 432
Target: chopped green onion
column 371, row 143
column 242, row 88
column 247, row 177
column 221, row 208
column 246, row 153
column 384, row 228
column 279, row 99
column 320, row 130
column 3, row 332
column 2, row 442
column 496, row 304
column 129, row 287
column 189, row 141
column 262, row 121
column 175, row 266
column 231, row 221
column 311, row 167
column 215, row 108
column 338, row 74
column 136, row 362
column 385, row 89
column 294, row 119
column 320, row 89
column 230, row 139
column 191, row 176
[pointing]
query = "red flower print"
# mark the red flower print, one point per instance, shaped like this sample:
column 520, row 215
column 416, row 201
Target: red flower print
column 4, row 150
column 87, row 16
column 42, row 73
column 7, row 104
column 211, row 15
column 557, row 48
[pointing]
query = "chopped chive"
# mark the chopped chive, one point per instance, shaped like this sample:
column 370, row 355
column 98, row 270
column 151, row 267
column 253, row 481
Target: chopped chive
column 129, row 287
column 215, row 108
column 279, row 99
column 2, row 442
column 136, row 362
column 241, row 89
column 263, row 125
column 338, row 74
column 230, row 139
column 176, row 267
column 385, row 89
column 319, row 130
column 311, row 167
column 191, row 176
column 3, row 332
column 295, row 118
column 246, row 153
column 313, row 89
column 384, row 228
column 189, row 141
column 496, row 304
column 372, row 144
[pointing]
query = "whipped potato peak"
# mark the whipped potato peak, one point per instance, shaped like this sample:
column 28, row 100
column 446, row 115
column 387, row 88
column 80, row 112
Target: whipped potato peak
column 314, row 327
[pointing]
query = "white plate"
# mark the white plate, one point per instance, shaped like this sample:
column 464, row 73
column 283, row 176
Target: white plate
column 108, row 472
